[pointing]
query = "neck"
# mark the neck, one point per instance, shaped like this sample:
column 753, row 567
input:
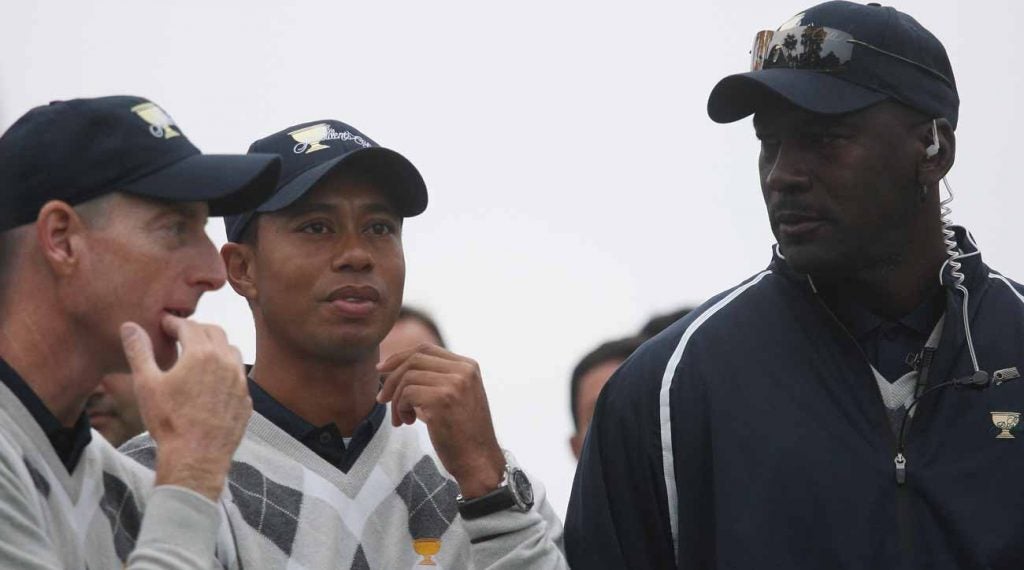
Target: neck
column 61, row 367
column 894, row 289
column 319, row 391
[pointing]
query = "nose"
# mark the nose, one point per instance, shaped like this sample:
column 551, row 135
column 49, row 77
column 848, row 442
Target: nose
column 352, row 255
column 785, row 169
column 207, row 271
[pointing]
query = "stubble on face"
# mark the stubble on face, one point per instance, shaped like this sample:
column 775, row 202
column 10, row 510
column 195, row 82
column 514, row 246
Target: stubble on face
column 840, row 191
column 330, row 271
column 145, row 259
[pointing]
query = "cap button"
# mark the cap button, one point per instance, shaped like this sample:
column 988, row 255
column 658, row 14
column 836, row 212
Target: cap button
column 875, row 4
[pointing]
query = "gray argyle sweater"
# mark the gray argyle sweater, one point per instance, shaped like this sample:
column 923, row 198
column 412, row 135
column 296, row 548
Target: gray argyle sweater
column 394, row 508
column 90, row 518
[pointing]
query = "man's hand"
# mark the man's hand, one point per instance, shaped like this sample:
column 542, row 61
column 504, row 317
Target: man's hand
column 446, row 392
column 196, row 411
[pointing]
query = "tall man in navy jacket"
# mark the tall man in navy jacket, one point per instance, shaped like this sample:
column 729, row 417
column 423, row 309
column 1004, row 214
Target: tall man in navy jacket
column 855, row 404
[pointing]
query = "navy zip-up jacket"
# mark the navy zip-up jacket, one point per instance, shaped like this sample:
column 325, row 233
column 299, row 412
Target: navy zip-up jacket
column 752, row 434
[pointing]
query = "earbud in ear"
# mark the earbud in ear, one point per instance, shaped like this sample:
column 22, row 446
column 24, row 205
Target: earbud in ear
column 933, row 149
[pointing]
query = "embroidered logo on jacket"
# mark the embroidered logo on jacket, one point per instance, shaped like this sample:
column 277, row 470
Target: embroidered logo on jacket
column 1005, row 421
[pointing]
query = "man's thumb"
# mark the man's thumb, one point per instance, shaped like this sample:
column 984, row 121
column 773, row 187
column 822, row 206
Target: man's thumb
column 138, row 349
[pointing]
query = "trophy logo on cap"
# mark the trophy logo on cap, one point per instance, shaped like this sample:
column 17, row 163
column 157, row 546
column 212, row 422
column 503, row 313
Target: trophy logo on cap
column 161, row 125
column 308, row 139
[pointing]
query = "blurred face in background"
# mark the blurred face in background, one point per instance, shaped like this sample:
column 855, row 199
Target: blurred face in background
column 113, row 410
column 407, row 333
column 590, row 388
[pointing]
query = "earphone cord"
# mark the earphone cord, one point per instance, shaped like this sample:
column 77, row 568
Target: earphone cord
column 903, row 423
column 954, row 255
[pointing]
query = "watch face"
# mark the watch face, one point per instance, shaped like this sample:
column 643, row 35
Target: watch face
column 523, row 489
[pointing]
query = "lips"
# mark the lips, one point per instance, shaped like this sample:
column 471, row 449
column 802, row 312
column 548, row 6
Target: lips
column 182, row 312
column 354, row 301
column 100, row 407
column 795, row 224
column 100, row 415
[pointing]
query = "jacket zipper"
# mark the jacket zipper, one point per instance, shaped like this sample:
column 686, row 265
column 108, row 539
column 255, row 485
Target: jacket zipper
column 901, row 442
column 904, row 518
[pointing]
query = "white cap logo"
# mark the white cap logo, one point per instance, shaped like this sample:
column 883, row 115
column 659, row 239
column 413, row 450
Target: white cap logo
column 161, row 125
column 310, row 139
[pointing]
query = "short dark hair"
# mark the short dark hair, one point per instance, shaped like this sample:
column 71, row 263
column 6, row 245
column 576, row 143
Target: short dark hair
column 618, row 349
column 659, row 323
column 407, row 312
column 250, row 235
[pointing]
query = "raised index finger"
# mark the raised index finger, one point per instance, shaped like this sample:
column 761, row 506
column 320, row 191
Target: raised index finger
column 184, row 331
column 397, row 359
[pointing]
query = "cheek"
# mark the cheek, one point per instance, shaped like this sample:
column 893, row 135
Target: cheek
column 287, row 293
column 118, row 288
column 395, row 275
column 124, row 397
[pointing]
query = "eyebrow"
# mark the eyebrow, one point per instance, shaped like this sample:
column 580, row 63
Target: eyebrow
column 820, row 122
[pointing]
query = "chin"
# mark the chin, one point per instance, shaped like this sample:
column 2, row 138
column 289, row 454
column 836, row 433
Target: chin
column 813, row 259
column 343, row 345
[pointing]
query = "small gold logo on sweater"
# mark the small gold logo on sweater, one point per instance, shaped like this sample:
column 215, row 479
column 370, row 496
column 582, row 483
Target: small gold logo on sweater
column 1005, row 421
column 427, row 547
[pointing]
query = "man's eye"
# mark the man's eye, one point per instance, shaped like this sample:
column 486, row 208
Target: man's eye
column 823, row 137
column 315, row 228
column 381, row 228
column 177, row 228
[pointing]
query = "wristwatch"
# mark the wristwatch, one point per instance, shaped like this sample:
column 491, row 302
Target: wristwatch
column 514, row 493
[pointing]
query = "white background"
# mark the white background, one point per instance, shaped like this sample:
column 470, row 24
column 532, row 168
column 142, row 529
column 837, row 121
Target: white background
column 576, row 183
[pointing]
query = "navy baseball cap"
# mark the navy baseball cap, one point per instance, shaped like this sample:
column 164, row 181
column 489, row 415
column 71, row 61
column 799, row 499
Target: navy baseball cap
column 839, row 57
column 81, row 149
column 312, row 151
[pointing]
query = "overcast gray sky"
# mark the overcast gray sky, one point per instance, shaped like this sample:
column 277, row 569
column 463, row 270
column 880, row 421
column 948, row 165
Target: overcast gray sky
column 576, row 183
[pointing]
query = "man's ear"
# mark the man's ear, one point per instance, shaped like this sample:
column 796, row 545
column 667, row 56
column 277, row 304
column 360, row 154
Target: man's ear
column 240, row 263
column 931, row 169
column 59, row 231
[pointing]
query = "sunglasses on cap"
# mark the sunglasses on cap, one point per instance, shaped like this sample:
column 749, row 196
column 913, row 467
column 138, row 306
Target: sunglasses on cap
column 815, row 48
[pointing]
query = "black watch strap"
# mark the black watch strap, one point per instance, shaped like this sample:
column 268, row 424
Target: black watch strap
column 500, row 499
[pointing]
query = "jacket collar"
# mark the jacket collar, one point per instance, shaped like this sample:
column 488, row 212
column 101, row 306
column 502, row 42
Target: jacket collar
column 947, row 364
column 972, row 267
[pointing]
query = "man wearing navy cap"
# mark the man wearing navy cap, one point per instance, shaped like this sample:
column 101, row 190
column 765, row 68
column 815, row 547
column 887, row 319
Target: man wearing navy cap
column 856, row 404
column 103, row 256
column 321, row 265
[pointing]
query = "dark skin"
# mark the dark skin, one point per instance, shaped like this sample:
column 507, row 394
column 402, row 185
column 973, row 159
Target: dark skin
column 847, row 203
column 324, row 278
column 340, row 240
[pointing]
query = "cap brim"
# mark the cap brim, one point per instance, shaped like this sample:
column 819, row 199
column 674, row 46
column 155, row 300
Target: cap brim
column 743, row 94
column 230, row 184
column 402, row 180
